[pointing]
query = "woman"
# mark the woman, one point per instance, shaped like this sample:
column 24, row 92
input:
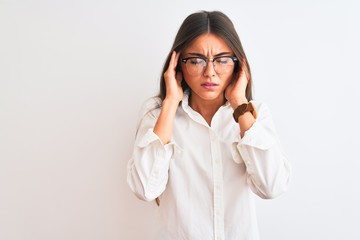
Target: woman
column 203, row 146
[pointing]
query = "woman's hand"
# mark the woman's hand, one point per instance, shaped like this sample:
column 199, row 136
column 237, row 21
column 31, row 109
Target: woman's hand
column 235, row 93
column 174, row 94
column 173, row 80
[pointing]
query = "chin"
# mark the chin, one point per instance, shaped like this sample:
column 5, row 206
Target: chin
column 209, row 96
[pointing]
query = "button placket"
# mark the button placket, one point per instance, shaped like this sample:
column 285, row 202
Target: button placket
column 217, row 187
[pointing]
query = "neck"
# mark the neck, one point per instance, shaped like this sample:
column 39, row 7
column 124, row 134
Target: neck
column 206, row 108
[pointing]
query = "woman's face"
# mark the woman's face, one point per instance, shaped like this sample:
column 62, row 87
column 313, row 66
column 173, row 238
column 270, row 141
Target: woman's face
column 206, row 81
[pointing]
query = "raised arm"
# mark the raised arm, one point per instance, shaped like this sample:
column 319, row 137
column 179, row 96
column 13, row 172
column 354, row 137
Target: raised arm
column 149, row 164
column 268, row 170
column 174, row 94
column 235, row 94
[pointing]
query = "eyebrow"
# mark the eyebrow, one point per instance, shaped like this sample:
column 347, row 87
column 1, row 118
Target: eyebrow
column 216, row 55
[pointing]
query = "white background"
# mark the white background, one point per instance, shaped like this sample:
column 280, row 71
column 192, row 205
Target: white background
column 73, row 75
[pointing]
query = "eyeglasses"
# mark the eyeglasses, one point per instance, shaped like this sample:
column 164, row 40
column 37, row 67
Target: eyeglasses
column 196, row 65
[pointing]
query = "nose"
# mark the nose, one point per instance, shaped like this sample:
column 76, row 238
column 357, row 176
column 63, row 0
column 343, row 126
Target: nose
column 209, row 68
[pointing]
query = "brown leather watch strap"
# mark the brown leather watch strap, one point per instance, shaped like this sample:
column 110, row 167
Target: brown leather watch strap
column 243, row 108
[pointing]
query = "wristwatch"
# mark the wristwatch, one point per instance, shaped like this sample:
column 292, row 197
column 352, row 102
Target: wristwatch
column 243, row 108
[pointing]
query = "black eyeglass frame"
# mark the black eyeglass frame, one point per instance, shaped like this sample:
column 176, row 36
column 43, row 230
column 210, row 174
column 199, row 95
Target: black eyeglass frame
column 235, row 59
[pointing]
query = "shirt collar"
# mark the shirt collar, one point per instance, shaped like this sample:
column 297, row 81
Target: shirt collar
column 185, row 100
column 192, row 113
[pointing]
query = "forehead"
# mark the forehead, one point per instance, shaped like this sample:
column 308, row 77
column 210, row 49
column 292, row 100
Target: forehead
column 208, row 43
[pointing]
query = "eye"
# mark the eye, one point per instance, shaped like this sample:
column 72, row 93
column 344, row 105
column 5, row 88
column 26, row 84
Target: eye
column 222, row 60
column 196, row 61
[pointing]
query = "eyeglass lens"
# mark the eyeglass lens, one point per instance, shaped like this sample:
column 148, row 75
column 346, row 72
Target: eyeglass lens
column 196, row 65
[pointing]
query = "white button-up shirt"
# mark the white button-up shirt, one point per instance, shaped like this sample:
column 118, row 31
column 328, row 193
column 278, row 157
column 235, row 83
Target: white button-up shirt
column 206, row 176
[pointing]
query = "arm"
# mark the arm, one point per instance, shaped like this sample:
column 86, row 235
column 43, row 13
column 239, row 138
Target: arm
column 174, row 94
column 267, row 167
column 148, row 167
column 268, row 171
column 235, row 94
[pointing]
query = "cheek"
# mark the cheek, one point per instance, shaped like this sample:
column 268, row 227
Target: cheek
column 228, row 79
column 189, row 79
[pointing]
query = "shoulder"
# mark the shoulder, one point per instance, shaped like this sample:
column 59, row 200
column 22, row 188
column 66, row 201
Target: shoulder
column 150, row 106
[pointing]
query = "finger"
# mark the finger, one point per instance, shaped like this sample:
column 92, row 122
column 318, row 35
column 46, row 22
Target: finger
column 173, row 60
column 177, row 56
column 242, row 80
column 243, row 76
column 244, row 69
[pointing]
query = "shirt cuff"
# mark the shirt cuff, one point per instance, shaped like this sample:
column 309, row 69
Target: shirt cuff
column 148, row 138
column 256, row 136
column 169, row 148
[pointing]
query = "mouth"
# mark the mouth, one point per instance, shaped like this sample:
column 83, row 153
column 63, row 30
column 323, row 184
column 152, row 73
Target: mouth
column 209, row 85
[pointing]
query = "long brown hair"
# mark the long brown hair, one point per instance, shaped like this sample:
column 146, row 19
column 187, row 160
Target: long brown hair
column 202, row 22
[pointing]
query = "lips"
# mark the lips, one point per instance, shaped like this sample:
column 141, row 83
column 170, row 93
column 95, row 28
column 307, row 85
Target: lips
column 209, row 85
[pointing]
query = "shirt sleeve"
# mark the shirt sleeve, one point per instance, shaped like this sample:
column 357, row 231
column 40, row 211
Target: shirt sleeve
column 268, row 170
column 147, row 169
